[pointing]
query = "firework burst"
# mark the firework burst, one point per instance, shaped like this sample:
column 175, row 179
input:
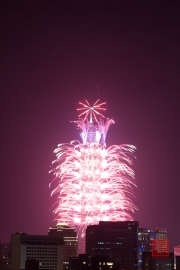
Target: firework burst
column 93, row 182
column 91, row 111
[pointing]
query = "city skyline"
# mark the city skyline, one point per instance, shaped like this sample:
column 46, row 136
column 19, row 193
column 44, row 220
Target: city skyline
column 54, row 55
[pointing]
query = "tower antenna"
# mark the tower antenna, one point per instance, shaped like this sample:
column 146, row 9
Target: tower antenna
column 98, row 92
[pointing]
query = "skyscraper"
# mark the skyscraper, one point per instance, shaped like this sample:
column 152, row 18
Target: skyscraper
column 93, row 182
column 115, row 241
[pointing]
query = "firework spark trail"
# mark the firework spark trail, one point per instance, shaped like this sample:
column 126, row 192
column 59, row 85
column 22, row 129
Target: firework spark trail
column 95, row 183
column 92, row 111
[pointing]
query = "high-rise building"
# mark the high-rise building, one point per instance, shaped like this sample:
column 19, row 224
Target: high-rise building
column 115, row 241
column 48, row 250
column 146, row 238
column 144, row 243
column 70, row 241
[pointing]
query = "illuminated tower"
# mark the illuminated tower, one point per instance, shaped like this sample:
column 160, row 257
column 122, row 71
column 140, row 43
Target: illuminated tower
column 93, row 183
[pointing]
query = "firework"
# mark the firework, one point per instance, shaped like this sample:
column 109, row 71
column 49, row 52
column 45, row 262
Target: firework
column 93, row 182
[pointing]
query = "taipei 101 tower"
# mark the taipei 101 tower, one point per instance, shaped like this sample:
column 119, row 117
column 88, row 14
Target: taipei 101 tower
column 92, row 182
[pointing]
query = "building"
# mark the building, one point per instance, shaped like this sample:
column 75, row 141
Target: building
column 114, row 241
column 48, row 250
column 86, row 262
column 144, row 243
column 161, row 244
column 82, row 262
column 73, row 263
column 4, row 250
column 146, row 238
column 157, row 263
column 177, row 251
column 163, row 263
column 31, row 264
column 4, row 256
column 176, row 254
column 70, row 241
column 160, row 248
column 146, row 260
column 100, row 263
column 177, row 263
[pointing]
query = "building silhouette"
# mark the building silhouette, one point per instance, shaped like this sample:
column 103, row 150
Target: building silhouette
column 114, row 241
column 82, row 262
column 157, row 263
column 177, row 262
column 4, row 256
column 31, row 264
column 48, row 250
column 69, row 236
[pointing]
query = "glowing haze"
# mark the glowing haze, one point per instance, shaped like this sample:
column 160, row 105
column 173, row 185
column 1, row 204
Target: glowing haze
column 93, row 182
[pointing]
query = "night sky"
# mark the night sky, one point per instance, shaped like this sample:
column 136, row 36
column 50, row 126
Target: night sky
column 54, row 54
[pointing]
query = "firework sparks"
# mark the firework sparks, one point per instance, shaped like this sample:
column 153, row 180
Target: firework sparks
column 96, row 183
column 91, row 111
column 93, row 182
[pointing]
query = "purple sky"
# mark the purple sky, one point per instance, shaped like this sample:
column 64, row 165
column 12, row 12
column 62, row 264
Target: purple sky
column 54, row 55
